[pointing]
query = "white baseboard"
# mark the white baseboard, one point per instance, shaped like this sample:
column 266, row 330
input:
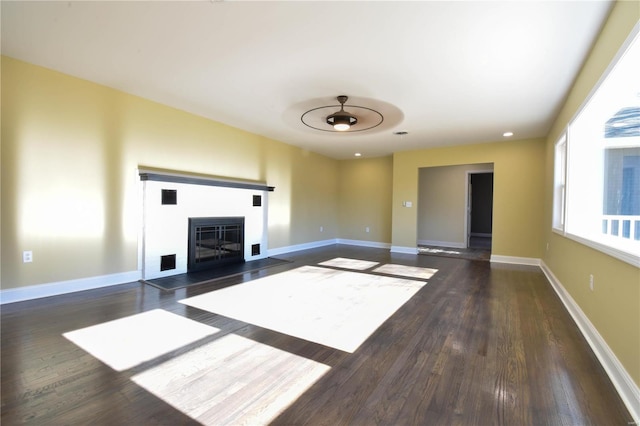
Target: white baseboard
column 624, row 384
column 495, row 258
column 316, row 244
column 289, row 249
column 450, row 244
column 405, row 250
column 362, row 243
column 19, row 294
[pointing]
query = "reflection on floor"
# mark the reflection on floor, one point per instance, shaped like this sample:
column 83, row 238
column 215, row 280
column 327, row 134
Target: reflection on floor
column 128, row 342
column 335, row 308
column 208, row 373
column 479, row 249
column 406, row 271
column 224, row 375
column 232, row 380
column 346, row 263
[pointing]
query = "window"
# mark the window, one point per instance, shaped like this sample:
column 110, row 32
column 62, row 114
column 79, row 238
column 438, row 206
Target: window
column 597, row 163
column 560, row 179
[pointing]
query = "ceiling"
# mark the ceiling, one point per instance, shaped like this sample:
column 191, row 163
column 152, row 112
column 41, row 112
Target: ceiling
column 447, row 73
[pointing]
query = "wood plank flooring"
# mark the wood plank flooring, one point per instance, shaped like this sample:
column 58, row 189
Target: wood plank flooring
column 480, row 344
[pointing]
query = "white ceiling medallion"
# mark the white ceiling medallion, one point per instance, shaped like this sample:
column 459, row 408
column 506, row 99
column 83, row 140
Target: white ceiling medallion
column 355, row 118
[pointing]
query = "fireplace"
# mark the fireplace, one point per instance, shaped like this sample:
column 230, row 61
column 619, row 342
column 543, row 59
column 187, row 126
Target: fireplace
column 230, row 217
column 215, row 241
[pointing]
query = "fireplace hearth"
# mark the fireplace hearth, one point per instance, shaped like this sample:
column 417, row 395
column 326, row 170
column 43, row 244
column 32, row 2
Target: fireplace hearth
column 215, row 241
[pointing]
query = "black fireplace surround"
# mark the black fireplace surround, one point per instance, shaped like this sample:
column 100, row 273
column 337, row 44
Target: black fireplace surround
column 215, row 241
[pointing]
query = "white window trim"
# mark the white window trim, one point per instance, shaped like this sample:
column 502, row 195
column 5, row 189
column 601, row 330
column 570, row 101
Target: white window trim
column 623, row 49
column 562, row 203
column 609, row 250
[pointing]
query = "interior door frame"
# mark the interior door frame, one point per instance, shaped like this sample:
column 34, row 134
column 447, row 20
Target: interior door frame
column 468, row 194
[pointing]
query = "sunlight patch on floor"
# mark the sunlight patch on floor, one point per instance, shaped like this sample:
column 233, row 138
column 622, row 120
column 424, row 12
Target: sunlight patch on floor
column 406, row 271
column 339, row 309
column 130, row 341
column 345, row 263
column 437, row 251
column 232, row 380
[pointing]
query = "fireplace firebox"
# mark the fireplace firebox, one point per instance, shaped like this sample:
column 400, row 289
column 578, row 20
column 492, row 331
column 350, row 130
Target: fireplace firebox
column 215, row 241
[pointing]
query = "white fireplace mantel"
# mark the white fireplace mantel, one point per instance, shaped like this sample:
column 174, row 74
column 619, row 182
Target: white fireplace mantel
column 165, row 226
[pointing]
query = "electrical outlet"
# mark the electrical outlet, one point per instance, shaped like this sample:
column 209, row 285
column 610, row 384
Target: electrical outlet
column 322, row 229
column 366, row 229
column 547, row 246
column 591, row 282
column 27, row 256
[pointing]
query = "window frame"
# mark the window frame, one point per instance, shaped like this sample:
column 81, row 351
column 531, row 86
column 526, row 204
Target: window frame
column 559, row 215
column 561, row 207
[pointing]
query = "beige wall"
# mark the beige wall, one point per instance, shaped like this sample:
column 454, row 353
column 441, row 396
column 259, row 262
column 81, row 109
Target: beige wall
column 442, row 199
column 613, row 307
column 365, row 199
column 517, row 199
column 70, row 149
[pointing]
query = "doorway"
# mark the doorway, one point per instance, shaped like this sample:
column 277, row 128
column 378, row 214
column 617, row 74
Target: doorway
column 479, row 229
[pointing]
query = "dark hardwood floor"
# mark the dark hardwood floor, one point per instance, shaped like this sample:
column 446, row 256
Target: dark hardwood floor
column 479, row 344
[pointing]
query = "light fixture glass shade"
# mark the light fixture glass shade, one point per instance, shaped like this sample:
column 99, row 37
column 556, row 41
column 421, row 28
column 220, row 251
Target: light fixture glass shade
column 341, row 120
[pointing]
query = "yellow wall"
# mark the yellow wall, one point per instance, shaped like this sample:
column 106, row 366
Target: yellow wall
column 517, row 198
column 70, row 149
column 614, row 305
column 365, row 199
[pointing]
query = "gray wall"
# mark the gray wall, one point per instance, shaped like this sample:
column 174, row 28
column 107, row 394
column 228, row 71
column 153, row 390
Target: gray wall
column 441, row 204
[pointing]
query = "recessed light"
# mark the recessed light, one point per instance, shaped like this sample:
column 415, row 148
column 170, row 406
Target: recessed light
column 357, row 154
column 507, row 134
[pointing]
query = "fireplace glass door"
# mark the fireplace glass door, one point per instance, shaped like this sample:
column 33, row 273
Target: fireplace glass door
column 215, row 241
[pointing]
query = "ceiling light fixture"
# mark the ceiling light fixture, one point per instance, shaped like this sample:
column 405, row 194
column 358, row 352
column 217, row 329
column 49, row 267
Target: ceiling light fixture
column 341, row 120
column 507, row 134
column 356, row 119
